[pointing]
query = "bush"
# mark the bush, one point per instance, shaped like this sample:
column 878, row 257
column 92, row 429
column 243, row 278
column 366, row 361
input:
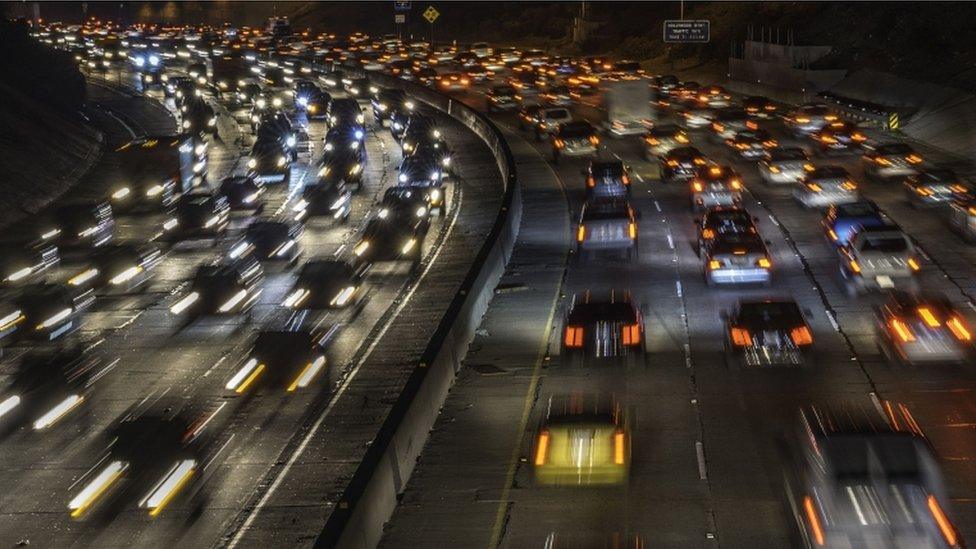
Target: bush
column 47, row 75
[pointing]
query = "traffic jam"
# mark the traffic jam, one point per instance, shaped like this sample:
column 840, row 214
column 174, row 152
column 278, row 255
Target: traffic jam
column 810, row 265
column 290, row 214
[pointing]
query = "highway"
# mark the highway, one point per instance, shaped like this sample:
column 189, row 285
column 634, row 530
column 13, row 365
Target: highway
column 709, row 441
column 155, row 359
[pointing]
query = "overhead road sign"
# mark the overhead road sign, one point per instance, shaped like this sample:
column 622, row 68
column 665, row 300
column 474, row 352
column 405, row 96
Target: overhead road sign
column 689, row 32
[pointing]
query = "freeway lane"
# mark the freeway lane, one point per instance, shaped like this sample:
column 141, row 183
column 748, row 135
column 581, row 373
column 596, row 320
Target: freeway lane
column 729, row 493
column 155, row 359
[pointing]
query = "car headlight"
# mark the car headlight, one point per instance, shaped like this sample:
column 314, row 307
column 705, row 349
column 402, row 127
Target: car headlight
column 354, row 145
column 222, row 85
column 402, row 178
column 409, row 105
column 121, row 193
column 435, row 194
column 338, row 203
column 360, row 118
column 201, row 80
column 200, row 149
column 241, row 83
column 382, row 107
column 290, row 141
column 324, row 171
column 187, row 124
column 421, row 211
column 446, row 161
column 303, row 101
column 281, row 161
column 355, row 169
column 164, row 78
column 261, row 103
column 211, row 222
column 252, row 163
column 437, row 133
column 139, row 61
column 212, row 122
column 435, row 175
column 276, row 101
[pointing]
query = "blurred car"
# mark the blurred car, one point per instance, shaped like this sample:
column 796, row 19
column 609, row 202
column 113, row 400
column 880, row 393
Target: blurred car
column 936, row 187
column 826, row 186
column 838, row 136
column 345, row 111
column 317, row 104
column 582, row 441
column 326, row 284
column 397, row 230
column 891, row 160
column 550, row 119
column 783, row 165
column 558, row 96
column 713, row 96
column 242, row 192
column 807, row 119
column 289, row 360
column 83, row 224
column 269, row 240
column 715, row 186
column 501, row 98
column 426, row 174
column 603, row 326
column 881, row 257
column 607, row 178
column 843, row 220
column 269, row 162
column 727, row 122
column 723, row 221
column 751, row 144
column 867, row 478
column 528, row 116
column 327, row 197
column 662, row 138
column 576, row 138
column 759, row 106
column 45, row 312
column 737, row 259
column 696, row 116
column 767, row 333
column 681, row 164
column 229, row 288
column 962, row 218
column 198, row 117
column 385, row 102
column 607, row 225
column 344, row 162
column 923, row 328
column 453, row 81
column 118, row 268
column 199, row 215
column 22, row 263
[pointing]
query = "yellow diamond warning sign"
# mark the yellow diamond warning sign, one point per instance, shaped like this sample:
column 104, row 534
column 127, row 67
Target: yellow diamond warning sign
column 431, row 14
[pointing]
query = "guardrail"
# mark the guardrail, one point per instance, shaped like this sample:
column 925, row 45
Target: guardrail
column 371, row 496
column 886, row 118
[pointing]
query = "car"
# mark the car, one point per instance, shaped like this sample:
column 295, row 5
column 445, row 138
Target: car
column 269, row 162
column 45, row 311
column 386, row 101
column 576, row 138
column 936, row 187
column 419, row 128
column 82, row 224
column 603, row 326
column 249, row 92
column 453, row 81
column 607, row 178
column 923, row 328
column 759, row 106
column 397, row 230
column 713, row 96
column 501, row 98
column 356, row 87
column 881, row 257
column 317, row 104
column 198, row 117
column 809, row 118
column 23, row 263
column 607, row 225
column 696, row 116
column 835, row 488
column 662, row 138
column 582, row 440
column 736, row 259
column 825, row 186
column 767, row 332
column 198, row 71
column 550, row 119
column 751, row 144
column 118, row 268
column 180, row 87
column 283, row 359
column 723, row 221
column 47, row 386
column 962, row 218
column 345, row 111
column 274, row 125
column 268, row 102
column 269, row 240
column 715, row 185
column 302, row 90
column 438, row 151
column 681, row 164
column 326, row 284
column 783, row 165
column 843, row 220
column 155, row 455
column 327, row 197
column 528, row 116
column 838, row 136
column 243, row 193
column 727, row 122
column 343, row 161
column 425, row 173
column 198, row 215
column 227, row 288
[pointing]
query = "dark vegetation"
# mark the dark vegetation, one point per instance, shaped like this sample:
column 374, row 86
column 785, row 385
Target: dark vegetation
column 44, row 74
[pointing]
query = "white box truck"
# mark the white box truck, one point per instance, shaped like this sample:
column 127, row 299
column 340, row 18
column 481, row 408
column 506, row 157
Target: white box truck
column 628, row 104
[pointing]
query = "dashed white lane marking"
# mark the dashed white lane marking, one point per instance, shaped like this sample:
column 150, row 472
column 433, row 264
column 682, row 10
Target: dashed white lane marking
column 657, row 205
column 700, row 454
column 677, row 287
column 214, row 367
column 670, row 241
column 833, row 321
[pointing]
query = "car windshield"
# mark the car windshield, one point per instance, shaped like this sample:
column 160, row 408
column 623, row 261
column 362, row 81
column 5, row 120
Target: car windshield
column 787, row 154
column 890, row 244
column 503, row 90
column 576, row 129
column 557, row 114
column 857, row 209
column 770, row 313
column 605, row 211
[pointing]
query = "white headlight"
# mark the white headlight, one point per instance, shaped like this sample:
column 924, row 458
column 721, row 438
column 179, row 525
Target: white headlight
column 153, row 60
column 435, row 194
column 421, row 211
column 186, row 124
column 139, row 61
column 121, row 193
column 281, row 161
column 200, row 149
column 384, row 213
column 261, row 103
column 338, row 203
column 201, row 80
column 252, row 163
column 296, row 298
column 212, row 122
column 343, row 296
column 17, row 275
column 303, row 101
column 125, row 275
column 360, row 118
column 283, row 249
column 402, row 178
column 361, row 248
column 355, row 169
column 211, row 222
column 55, row 319
column 408, row 246
column 359, row 134
column 354, row 145
column 276, row 101
column 290, row 141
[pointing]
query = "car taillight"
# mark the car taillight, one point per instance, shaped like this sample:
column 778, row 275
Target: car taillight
column 697, row 185
column 959, row 329
column 764, row 263
column 574, row 337
column 914, row 159
column 740, row 337
column 619, row 447
column 653, row 142
column 714, row 264
column 560, row 143
column 699, row 161
column 913, row 264
column 736, row 184
column 594, row 140
column 814, row 187
column 814, row 519
column 718, row 127
column 945, row 526
column 590, row 182
column 630, row 334
column 626, row 179
column 928, row 317
column 855, row 267
column 708, row 234
column 801, row 336
column 632, row 230
column 581, row 233
column 542, row 448
column 902, row 330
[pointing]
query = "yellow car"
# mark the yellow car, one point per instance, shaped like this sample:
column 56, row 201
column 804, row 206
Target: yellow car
column 582, row 443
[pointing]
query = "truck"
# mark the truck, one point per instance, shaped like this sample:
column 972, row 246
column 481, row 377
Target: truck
column 628, row 104
column 154, row 170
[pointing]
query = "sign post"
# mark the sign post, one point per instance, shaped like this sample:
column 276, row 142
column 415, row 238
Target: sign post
column 687, row 32
column 431, row 15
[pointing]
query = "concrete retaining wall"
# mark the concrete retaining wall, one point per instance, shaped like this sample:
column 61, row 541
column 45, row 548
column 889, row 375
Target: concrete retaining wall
column 369, row 499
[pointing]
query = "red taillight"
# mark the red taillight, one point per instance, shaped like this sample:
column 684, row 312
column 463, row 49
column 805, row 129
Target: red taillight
column 740, row 337
column 801, row 336
column 574, row 337
column 590, row 182
column 542, row 449
column 631, row 334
